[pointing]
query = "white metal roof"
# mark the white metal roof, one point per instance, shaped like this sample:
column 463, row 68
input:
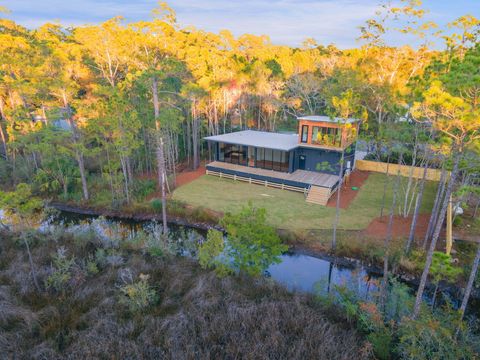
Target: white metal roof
column 327, row 119
column 269, row 140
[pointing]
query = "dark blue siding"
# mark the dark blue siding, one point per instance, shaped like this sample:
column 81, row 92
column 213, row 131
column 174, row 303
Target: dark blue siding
column 319, row 156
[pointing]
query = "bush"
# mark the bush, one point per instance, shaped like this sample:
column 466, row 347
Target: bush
column 202, row 214
column 210, row 253
column 176, row 208
column 92, row 267
column 143, row 188
column 252, row 245
column 138, row 295
column 61, row 272
column 434, row 338
column 156, row 205
column 457, row 221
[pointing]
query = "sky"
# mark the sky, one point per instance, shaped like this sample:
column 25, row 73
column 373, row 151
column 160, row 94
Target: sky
column 286, row 22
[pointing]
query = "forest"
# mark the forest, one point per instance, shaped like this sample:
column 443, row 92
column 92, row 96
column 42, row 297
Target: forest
column 105, row 117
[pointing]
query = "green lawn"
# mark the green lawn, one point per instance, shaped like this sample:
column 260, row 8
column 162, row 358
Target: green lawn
column 289, row 210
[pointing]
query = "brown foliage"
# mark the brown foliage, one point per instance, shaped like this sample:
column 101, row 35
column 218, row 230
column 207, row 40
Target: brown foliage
column 197, row 315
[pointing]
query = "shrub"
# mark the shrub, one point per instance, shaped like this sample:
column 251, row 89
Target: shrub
column 252, row 245
column 457, row 221
column 176, row 208
column 61, row 272
column 434, row 338
column 156, row 205
column 210, row 253
column 138, row 295
column 92, row 267
column 202, row 214
column 143, row 188
column 154, row 246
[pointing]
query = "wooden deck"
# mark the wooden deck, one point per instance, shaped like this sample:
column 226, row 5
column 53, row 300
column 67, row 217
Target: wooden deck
column 299, row 176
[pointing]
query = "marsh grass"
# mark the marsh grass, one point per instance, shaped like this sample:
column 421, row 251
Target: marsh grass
column 195, row 314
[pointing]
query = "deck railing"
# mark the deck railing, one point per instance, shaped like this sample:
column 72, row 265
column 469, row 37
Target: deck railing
column 250, row 180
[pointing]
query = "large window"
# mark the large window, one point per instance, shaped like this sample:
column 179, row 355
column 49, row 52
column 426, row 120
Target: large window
column 326, row 136
column 272, row 159
column 231, row 153
column 243, row 155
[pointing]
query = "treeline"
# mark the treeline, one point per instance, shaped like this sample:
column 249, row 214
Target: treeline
column 88, row 111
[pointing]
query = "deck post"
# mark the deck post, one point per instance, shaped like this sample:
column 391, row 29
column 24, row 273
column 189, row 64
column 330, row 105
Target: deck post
column 234, row 177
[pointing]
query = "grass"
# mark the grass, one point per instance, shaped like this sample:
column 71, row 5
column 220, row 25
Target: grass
column 289, row 210
column 195, row 315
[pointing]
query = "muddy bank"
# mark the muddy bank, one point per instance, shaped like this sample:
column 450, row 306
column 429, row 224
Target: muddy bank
column 113, row 214
column 412, row 280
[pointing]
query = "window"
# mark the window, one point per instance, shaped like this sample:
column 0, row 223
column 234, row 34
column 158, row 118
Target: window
column 242, row 155
column 272, row 159
column 328, row 136
column 304, row 133
column 277, row 160
column 221, row 152
column 317, row 135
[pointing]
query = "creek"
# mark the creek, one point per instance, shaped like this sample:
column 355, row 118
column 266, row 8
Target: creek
column 297, row 271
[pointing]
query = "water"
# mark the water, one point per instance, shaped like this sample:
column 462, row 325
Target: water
column 296, row 271
column 299, row 272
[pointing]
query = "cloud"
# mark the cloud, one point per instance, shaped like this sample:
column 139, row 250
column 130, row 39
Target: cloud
column 284, row 21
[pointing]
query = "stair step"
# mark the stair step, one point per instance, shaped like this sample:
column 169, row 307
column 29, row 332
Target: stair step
column 318, row 195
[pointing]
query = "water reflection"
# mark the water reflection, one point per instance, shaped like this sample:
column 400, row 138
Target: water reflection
column 310, row 274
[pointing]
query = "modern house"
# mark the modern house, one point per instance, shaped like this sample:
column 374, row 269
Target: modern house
column 307, row 162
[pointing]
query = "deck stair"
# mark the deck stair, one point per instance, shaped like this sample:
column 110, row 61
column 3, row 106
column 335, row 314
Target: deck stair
column 318, row 195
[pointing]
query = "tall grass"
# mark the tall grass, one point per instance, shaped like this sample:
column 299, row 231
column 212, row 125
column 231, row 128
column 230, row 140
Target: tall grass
column 193, row 314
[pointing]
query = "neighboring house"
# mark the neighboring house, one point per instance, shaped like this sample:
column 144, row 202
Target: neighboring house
column 308, row 162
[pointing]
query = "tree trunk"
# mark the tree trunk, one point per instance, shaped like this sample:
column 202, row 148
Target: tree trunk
column 337, row 207
column 410, row 180
column 436, row 233
column 434, row 296
column 160, row 153
column 2, row 134
column 471, row 280
column 83, row 177
column 388, row 238
column 30, row 260
column 123, row 162
column 416, row 212
column 195, row 138
column 78, row 153
column 436, row 204
column 385, row 186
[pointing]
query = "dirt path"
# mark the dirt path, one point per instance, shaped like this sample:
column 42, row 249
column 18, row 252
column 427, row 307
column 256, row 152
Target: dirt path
column 401, row 226
column 189, row 176
column 357, row 178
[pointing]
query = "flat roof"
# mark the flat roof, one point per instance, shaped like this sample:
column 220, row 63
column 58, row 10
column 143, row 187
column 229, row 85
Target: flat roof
column 319, row 118
column 269, row 140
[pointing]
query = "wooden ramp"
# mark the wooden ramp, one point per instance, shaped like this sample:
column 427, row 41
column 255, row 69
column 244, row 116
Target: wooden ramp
column 318, row 195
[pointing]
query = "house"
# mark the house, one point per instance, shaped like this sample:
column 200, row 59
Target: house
column 307, row 162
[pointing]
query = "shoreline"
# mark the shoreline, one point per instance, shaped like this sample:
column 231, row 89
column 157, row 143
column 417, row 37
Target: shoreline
column 410, row 279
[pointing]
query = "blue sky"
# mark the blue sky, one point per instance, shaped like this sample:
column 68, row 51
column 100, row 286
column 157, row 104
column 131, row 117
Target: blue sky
column 285, row 21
